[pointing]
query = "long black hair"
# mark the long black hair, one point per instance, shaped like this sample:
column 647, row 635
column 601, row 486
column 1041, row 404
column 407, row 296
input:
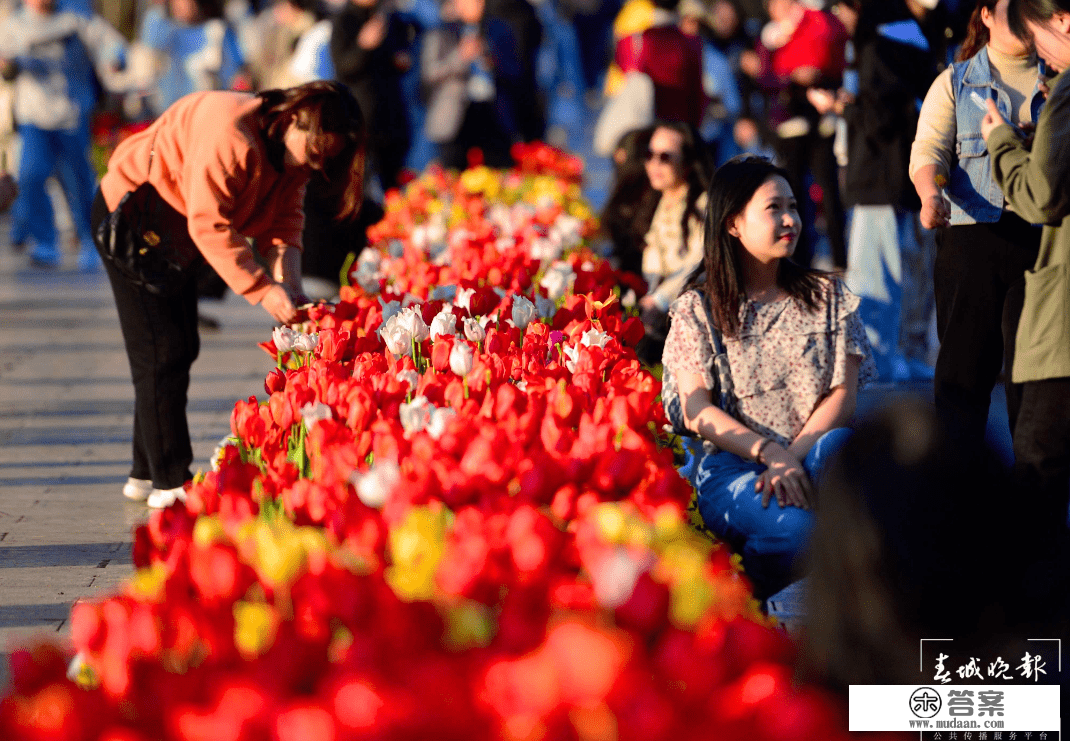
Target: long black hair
column 326, row 110
column 1038, row 11
column 721, row 273
column 624, row 220
column 695, row 160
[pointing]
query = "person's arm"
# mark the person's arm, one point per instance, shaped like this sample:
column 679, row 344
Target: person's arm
column 1034, row 182
column 835, row 410
column 933, row 151
column 106, row 45
column 787, row 478
column 686, row 352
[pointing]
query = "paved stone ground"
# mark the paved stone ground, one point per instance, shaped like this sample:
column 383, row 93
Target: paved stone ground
column 66, row 412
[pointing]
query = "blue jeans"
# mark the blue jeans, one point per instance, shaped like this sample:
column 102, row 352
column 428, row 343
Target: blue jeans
column 42, row 151
column 768, row 538
column 889, row 267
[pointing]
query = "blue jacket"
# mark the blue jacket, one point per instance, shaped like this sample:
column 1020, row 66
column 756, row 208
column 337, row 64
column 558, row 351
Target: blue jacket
column 975, row 196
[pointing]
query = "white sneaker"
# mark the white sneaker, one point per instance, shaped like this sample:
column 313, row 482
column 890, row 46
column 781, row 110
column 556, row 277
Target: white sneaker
column 137, row 489
column 163, row 498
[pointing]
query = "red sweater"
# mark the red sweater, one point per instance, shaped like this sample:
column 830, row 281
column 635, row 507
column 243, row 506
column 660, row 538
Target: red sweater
column 819, row 41
column 673, row 61
column 210, row 164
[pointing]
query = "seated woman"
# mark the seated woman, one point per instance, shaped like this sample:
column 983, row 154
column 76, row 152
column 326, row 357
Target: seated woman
column 678, row 170
column 795, row 353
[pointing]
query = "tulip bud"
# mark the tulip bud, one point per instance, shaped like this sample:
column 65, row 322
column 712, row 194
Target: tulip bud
column 545, row 307
column 410, row 377
column 374, row 486
column 461, row 359
column 410, row 320
column 306, row 342
column 594, row 338
column 397, row 340
column 463, row 299
column 473, row 330
column 275, row 381
column 315, row 412
column 415, row 414
column 284, row 337
column 444, row 323
column 523, row 312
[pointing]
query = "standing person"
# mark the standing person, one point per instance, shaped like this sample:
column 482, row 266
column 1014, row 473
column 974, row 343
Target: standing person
column 984, row 245
column 897, row 57
column 678, row 170
column 471, row 69
column 234, row 167
column 371, row 48
column 294, row 47
column 672, row 60
column 44, row 50
column 199, row 48
column 802, row 48
column 796, row 355
column 1036, row 182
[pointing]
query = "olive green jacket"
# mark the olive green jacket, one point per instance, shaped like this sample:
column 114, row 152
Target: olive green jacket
column 1037, row 185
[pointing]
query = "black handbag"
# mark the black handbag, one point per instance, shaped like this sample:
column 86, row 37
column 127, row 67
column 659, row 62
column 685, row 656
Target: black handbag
column 147, row 240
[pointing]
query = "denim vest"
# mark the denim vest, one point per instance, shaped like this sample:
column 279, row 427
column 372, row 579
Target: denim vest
column 973, row 192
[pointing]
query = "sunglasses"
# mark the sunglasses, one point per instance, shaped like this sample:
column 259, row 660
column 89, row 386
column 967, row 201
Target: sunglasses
column 665, row 158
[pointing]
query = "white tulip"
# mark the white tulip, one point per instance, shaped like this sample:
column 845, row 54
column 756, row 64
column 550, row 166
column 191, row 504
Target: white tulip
column 594, row 338
column 439, row 419
column 571, row 356
column 461, row 358
column 545, row 307
column 284, row 337
column 473, row 330
column 410, row 320
column 463, row 299
column 306, row 342
column 314, row 412
column 410, row 377
column 523, row 312
column 416, row 414
column 558, row 279
column 614, row 578
column 398, row 340
column 444, row 323
column 375, row 485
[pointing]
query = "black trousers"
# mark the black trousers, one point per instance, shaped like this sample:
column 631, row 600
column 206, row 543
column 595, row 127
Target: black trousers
column 1039, row 522
column 979, row 281
column 160, row 334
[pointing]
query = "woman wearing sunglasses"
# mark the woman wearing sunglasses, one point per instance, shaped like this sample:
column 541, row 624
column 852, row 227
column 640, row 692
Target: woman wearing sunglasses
column 678, row 168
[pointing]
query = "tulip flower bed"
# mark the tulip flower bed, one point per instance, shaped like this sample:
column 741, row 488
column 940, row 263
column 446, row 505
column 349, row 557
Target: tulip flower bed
column 455, row 516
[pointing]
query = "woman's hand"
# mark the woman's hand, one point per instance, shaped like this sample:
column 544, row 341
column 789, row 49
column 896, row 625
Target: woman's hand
column 935, row 212
column 992, row 119
column 278, row 303
column 785, row 478
column 286, row 269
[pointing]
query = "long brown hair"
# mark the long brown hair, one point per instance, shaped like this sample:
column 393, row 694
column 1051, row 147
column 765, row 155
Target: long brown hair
column 734, row 184
column 976, row 31
column 327, row 111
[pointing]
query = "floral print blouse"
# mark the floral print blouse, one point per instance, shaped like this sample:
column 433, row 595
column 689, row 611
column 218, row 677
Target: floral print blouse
column 784, row 361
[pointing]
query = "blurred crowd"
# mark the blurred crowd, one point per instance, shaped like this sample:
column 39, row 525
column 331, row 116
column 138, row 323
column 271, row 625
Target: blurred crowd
column 831, row 90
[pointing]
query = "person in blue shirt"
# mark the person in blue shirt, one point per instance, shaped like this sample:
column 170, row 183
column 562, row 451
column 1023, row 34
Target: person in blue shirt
column 45, row 51
column 201, row 49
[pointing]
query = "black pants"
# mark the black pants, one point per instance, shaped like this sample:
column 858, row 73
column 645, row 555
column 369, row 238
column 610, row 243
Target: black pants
column 160, row 334
column 813, row 153
column 1039, row 522
column 979, row 281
